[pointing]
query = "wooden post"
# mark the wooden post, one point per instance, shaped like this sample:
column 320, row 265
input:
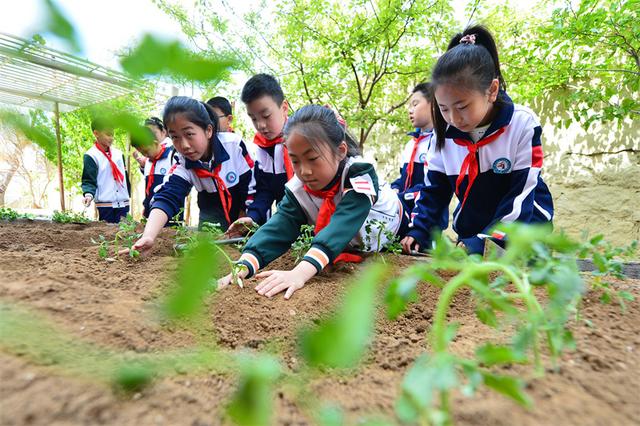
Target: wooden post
column 56, row 111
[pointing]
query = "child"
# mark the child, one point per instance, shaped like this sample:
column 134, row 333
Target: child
column 159, row 134
column 104, row 176
column 268, row 110
column 488, row 150
column 159, row 162
column 414, row 155
column 202, row 161
column 222, row 107
column 333, row 190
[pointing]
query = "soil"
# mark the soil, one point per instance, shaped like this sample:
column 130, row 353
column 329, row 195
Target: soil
column 55, row 270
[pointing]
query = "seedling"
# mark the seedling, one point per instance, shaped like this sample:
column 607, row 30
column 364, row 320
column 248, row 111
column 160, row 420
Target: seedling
column 9, row 214
column 250, row 231
column 103, row 246
column 302, row 244
column 68, row 217
column 392, row 243
column 127, row 236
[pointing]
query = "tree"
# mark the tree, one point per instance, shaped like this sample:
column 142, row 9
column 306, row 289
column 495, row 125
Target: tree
column 360, row 57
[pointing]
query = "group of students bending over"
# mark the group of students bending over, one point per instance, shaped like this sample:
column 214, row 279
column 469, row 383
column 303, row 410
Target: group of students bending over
column 470, row 140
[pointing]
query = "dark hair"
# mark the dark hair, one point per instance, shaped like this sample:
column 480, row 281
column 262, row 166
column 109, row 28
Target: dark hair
column 155, row 121
column 425, row 88
column 262, row 85
column 319, row 124
column 101, row 124
column 194, row 111
column 470, row 65
column 222, row 104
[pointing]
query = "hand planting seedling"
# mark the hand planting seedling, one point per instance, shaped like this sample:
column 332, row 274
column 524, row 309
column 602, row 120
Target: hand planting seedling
column 68, row 217
column 302, row 244
column 127, row 236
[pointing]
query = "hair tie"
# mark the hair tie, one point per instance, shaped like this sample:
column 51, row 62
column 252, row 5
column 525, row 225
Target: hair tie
column 468, row 39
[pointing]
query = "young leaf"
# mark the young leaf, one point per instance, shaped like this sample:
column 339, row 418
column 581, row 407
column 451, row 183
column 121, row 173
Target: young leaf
column 399, row 294
column 490, row 354
column 252, row 403
column 193, row 280
column 508, row 386
column 340, row 341
column 58, row 25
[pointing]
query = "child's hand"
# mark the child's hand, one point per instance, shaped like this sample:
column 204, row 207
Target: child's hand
column 143, row 245
column 409, row 244
column 276, row 281
column 239, row 227
column 87, row 200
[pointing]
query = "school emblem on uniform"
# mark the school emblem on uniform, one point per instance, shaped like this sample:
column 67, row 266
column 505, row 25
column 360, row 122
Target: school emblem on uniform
column 231, row 177
column 501, row 166
column 163, row 171
column 423, row 157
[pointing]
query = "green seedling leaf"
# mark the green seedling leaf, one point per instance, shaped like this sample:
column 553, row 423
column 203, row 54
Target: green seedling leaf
column 340, row 341
column 192, row 283
column 490, row 354
column 508, row 386
column 252, row 403
column 487, row 316
column 56, row 23
column 330, row 415
column 133, row 377
column 155, row 57
column 399, row 294
column 426, row 376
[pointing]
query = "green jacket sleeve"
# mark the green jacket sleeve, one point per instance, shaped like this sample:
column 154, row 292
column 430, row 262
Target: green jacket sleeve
column 274, row 237
column 89, row 176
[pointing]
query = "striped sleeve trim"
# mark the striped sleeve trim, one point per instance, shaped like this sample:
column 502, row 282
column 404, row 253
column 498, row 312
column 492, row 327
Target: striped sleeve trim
column 251, row 262
column 317, row 258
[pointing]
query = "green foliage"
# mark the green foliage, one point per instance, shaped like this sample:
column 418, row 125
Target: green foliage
column 103, row 246
column 69, row 217
column 252, row 403
column 391, row 244
column 57, row 24
column 155, row 57
column 34, row 128
column 341, row 340
column 250, row 231
column 501, row 284
column 9, row 214
column 302, row 244
column 133, row 378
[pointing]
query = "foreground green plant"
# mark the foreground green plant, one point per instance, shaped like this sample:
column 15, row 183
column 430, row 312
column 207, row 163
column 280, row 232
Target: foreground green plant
column 506, row 290
column 302, row 244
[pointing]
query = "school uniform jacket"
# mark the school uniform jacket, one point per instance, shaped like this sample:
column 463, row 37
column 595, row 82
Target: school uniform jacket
column 508, row 187
column 270, row 177
column 98, row 180
column 359, row 201
column 234, row 171
column 420, row 165
column 162, row 168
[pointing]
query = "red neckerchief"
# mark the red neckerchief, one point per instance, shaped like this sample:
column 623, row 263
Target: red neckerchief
column 470, row 162
column 263, row 142
column 153, row 167
column 327, row 209
column 223, row 192
column 117, row 174
column 416, row 142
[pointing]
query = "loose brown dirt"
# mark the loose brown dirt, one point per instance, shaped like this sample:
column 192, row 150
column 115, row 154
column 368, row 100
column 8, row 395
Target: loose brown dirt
column 55, row 270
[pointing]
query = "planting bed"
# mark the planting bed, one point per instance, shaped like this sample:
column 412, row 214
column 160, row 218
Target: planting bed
column 55, row 270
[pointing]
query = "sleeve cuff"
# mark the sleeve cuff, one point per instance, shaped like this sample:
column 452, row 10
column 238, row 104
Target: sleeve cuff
column 421, row 237
column 251, row 262
column 317, row 258
column 165, row 207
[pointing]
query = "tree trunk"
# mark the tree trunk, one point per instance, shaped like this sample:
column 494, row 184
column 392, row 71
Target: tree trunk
column 5, row 179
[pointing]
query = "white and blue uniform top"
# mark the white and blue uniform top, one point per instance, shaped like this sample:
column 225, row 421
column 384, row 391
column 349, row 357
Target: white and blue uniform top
column 508, row 187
